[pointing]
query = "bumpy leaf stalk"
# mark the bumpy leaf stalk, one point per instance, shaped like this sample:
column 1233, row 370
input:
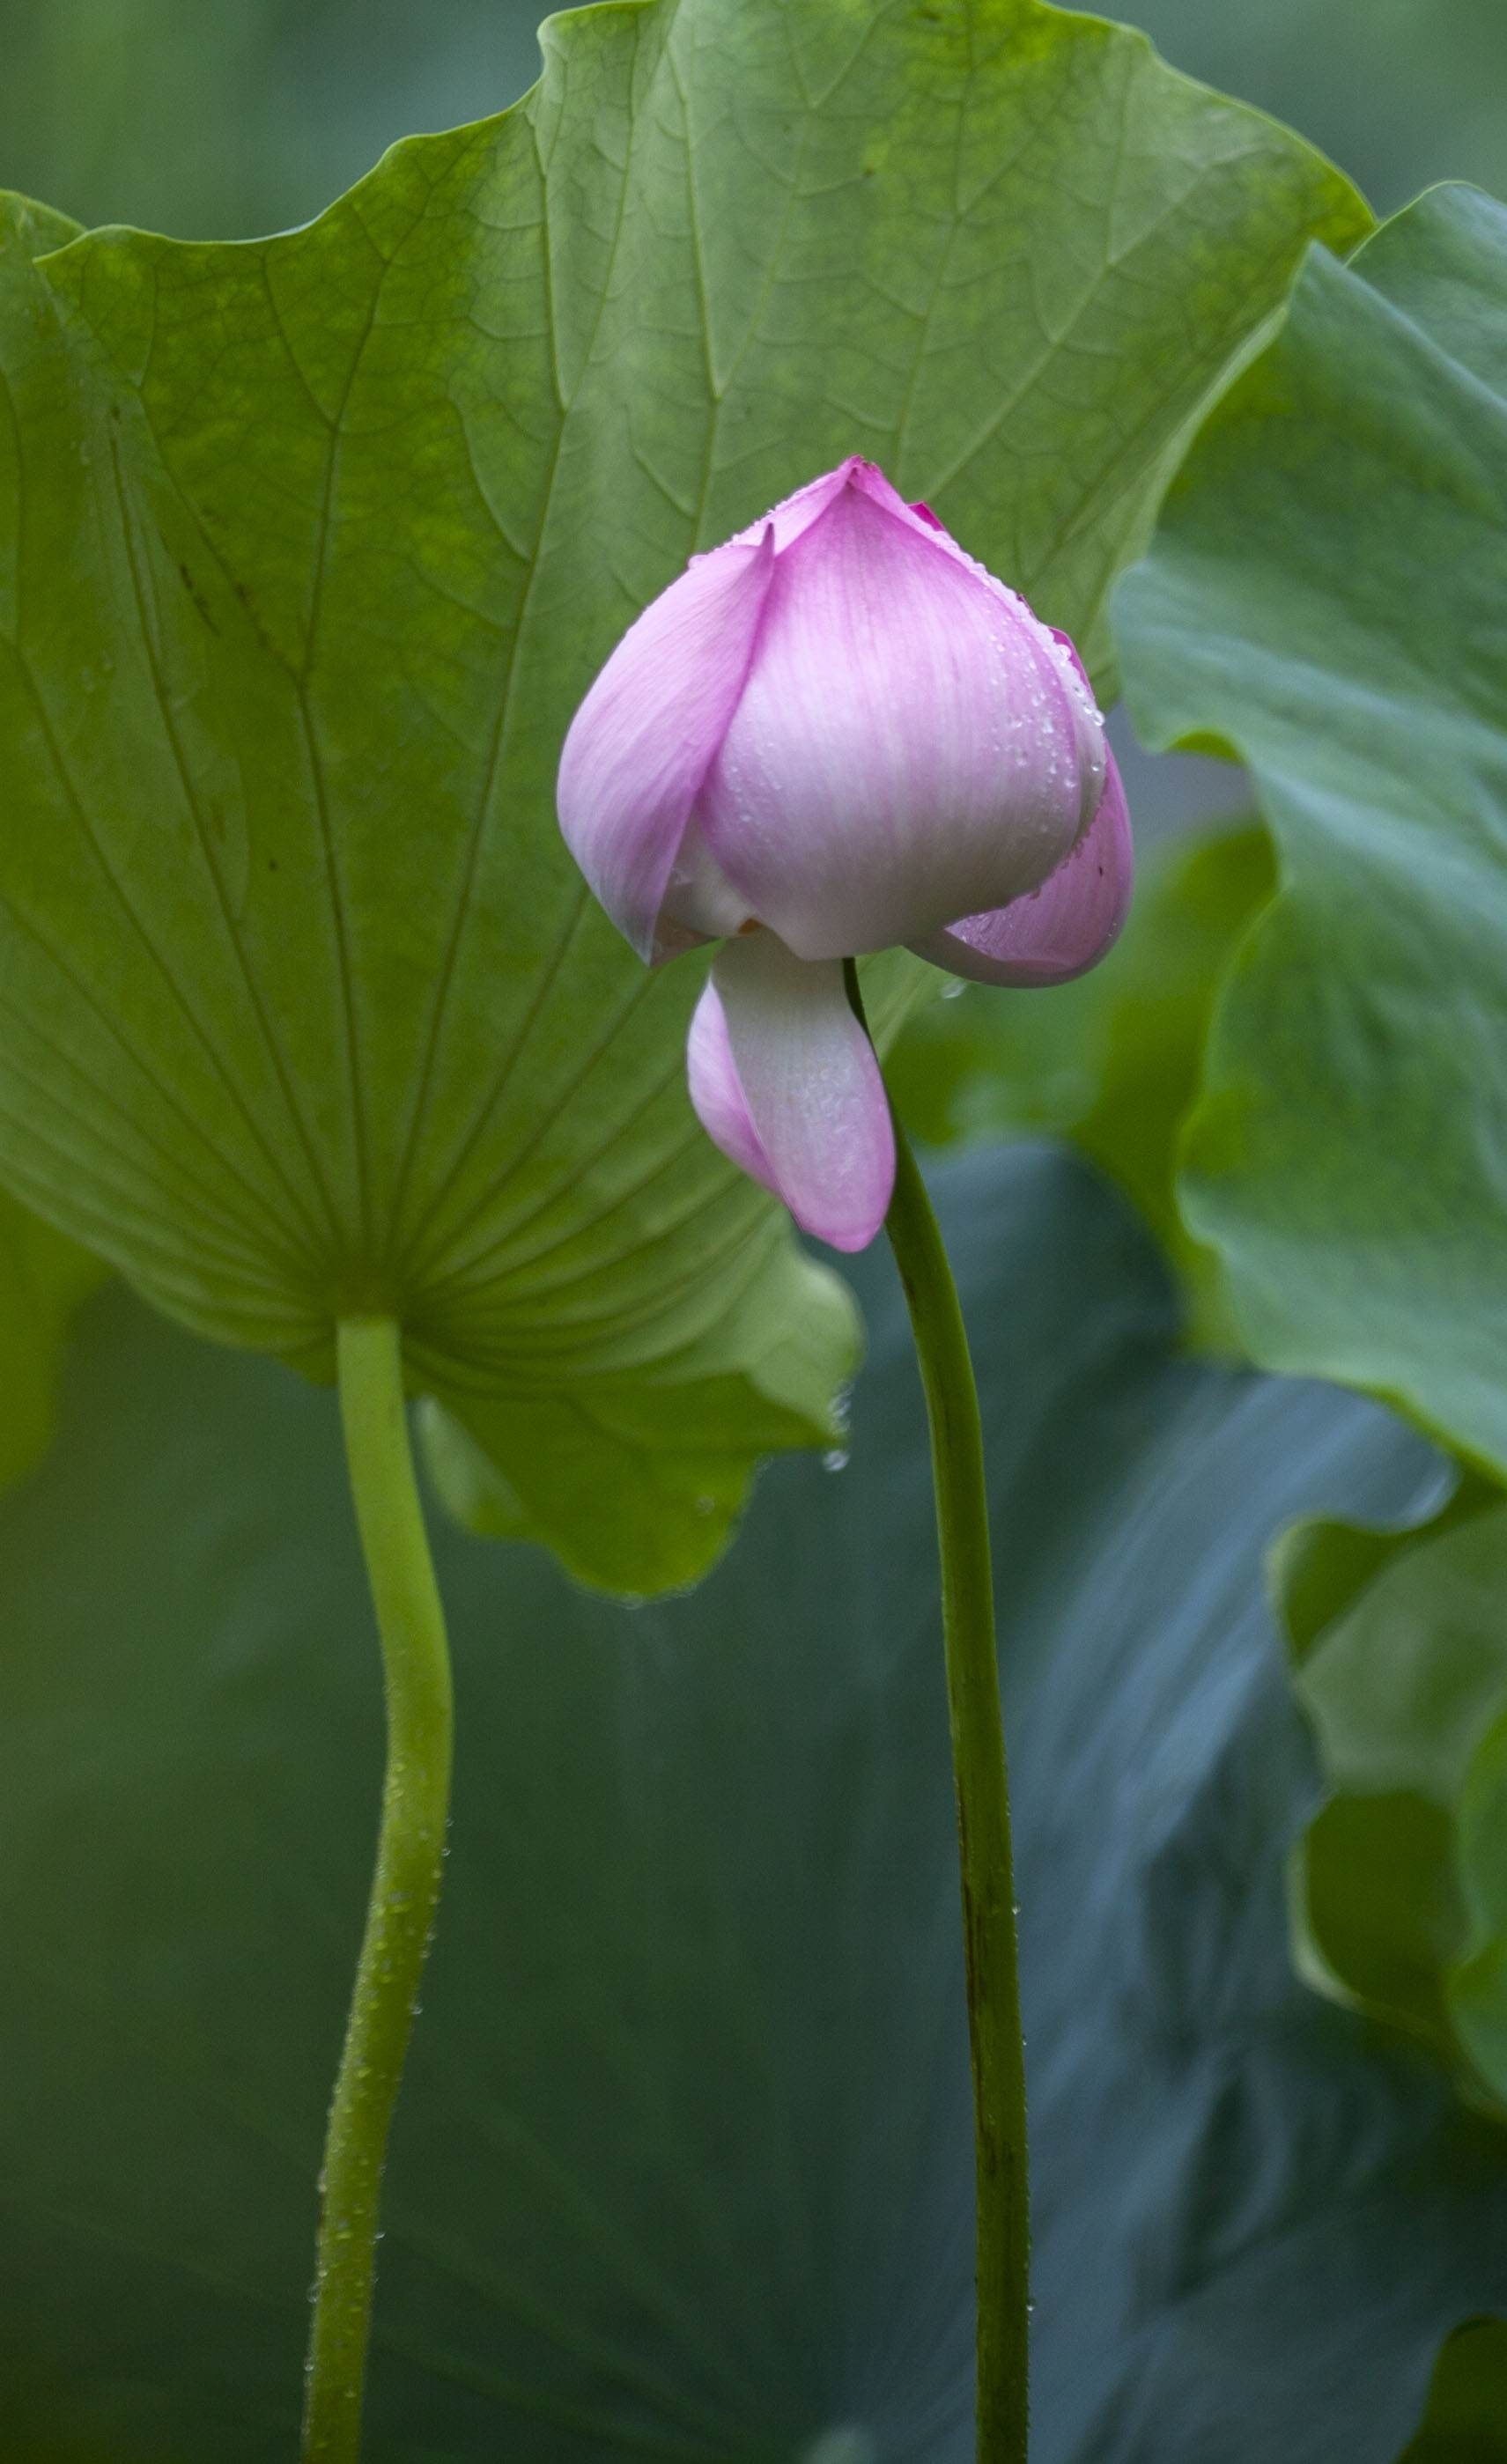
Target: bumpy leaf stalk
column 405, row 1889
column 983, row 1796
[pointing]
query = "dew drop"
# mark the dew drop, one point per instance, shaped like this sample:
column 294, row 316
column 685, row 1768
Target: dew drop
column 835, row 1459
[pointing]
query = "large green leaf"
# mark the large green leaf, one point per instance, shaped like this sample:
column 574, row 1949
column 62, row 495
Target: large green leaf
column 184, row 1002
column 1326, row 594
column 683, row 2163
column 310, row 547
column 43, row 1274
column 1111, row 1062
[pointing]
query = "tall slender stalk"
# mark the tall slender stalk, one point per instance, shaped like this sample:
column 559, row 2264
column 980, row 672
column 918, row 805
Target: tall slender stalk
column 405, row 1890
column 983, row 1796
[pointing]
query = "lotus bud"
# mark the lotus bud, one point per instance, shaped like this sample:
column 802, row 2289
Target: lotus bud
column 834, row 734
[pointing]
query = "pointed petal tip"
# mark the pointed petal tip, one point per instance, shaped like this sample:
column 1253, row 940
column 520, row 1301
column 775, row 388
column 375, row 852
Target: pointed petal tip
column 849, row 1238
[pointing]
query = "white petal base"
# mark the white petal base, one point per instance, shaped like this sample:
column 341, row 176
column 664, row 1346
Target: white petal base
column 785, row 1081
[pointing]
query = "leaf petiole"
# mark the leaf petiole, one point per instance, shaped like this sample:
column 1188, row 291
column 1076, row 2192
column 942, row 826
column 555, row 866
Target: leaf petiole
column 405, row 1890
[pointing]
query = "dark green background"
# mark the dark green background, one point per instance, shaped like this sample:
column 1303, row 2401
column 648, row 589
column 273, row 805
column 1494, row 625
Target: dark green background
column 682, row 2167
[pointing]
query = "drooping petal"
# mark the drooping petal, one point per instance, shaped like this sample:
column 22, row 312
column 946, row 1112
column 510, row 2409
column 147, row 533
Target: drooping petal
column 907, row 746
column 717, row 1091
column 1062, row 929
column 643, row 739
column 783, row 1079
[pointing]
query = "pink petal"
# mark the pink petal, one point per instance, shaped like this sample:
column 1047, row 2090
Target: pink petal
column 910, row 745
column 783, row 1079
column 1093, row 751
column 641, row 743
column 1060, row 930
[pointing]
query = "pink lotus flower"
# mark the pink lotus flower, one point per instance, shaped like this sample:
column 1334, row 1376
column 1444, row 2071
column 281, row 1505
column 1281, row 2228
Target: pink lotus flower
column 836, row 733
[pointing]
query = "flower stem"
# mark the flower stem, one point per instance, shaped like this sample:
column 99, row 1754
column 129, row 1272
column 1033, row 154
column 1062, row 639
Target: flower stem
column 983, row 1799
column 405, row 1889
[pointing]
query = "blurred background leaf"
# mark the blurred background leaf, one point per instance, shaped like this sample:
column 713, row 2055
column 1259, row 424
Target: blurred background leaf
column 683, row 2163
column 1325, row 593
column 1112, row 1061
column 1402, row 1878
column 1468, row 2400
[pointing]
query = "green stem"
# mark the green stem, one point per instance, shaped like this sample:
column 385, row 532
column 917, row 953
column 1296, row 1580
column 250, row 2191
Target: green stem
column 982, row 1795
column 405, row 1889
